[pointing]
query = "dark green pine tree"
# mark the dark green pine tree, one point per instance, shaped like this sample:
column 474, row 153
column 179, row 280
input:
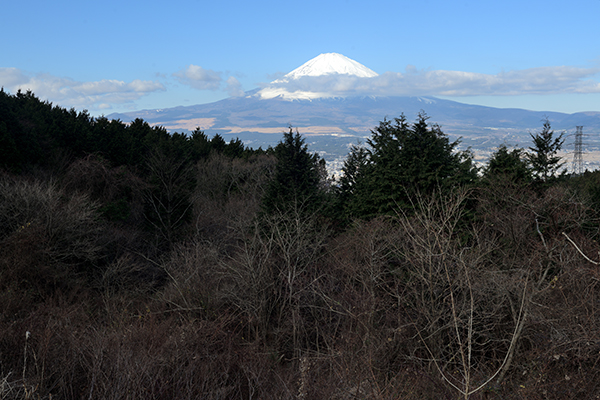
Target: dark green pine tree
column 405, row 161
column 200, row 145
column 354, row 166
column 9, row 154
column 297, row 180
column 218, row 144
column 383, row 184
column 508, row 165
column 429, row 160
column 348, row 183
column 235, row 148
column 544, row 160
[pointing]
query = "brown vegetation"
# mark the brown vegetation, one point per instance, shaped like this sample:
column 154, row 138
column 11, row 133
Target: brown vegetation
column 487, row 293
column 139, row 264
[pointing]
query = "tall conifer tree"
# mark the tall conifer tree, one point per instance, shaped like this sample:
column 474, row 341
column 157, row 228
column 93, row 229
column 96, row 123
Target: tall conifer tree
column 297, row 176
column 405, row 160
column 544, row 160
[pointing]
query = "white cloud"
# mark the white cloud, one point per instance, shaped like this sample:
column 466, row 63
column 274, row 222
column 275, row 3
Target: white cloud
column 234, row 87
column 199, row 78
column 543, row 80
column 108, row 93
column 207, row 79
column 70, row 93
column 10, row 77
column 276, row 75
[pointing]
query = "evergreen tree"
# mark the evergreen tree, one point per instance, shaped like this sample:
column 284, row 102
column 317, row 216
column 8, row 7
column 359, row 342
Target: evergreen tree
column 297, row 177
column 511, row 165
column 354, row 165
column 235, row 148
column 168, row 204
column 544, row 160
column 9, row 154
column 218, row 144
column 403, row 161
column 200, row 145
column 109, row 138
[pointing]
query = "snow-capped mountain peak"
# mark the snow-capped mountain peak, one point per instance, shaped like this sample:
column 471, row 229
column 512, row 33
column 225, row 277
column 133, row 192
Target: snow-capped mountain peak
column 326, row 75
column 329, row 63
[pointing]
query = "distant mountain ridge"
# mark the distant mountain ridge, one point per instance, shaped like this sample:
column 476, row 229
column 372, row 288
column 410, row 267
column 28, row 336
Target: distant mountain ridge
column 332, row 123
column 354, row 117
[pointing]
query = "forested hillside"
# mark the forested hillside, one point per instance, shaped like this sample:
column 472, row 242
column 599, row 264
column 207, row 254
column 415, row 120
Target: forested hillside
column 142, row 264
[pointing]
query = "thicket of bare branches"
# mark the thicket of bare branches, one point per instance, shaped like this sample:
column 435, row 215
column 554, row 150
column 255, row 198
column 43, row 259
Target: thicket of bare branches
column 488, row 293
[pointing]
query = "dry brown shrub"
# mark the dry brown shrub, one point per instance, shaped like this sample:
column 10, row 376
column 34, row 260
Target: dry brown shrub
column 360, row 320
column 113, row 187
column 137, row 352
column 267, row 277
column 49, row 239
column 229, row 192
column 193, row 280
column 557, row 356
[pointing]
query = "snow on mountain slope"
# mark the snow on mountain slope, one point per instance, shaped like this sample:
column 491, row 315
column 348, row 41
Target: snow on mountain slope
column 329, row 63
column 327, row 75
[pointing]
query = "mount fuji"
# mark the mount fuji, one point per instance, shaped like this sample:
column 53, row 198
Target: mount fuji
column 329, row 101
column 333, row 67
column 327, row 64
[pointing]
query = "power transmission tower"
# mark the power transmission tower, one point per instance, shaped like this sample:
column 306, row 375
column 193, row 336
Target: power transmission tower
column 578, row 152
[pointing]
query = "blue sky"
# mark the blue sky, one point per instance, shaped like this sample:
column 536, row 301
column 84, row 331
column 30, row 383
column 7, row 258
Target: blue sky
column 117, row 56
